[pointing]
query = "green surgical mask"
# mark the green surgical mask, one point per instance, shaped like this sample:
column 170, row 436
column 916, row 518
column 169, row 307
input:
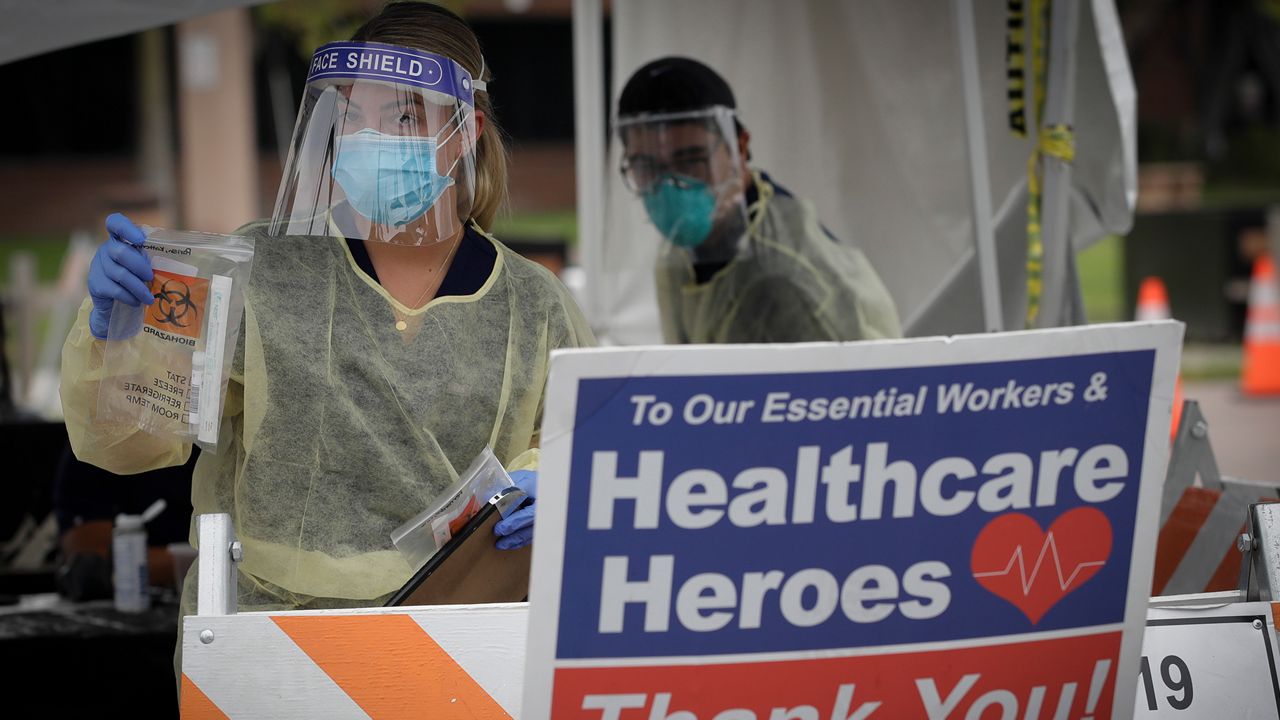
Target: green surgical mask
column 682, row 209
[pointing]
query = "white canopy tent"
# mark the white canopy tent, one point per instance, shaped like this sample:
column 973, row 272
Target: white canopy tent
column 31, row 28
column 864, row 107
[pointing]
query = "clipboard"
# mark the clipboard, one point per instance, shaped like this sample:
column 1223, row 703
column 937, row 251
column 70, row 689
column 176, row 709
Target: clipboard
column 470, row 569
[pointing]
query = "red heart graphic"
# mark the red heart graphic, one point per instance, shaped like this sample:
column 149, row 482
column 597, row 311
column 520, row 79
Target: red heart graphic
column 1033, row 569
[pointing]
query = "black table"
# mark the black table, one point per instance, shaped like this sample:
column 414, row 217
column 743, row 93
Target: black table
column 64, row 658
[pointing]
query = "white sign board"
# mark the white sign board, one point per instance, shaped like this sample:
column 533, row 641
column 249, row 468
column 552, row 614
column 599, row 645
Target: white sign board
column 1216, row 663
column 941, row 528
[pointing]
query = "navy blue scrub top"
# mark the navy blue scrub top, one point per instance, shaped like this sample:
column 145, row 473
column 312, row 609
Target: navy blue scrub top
column 472, row 264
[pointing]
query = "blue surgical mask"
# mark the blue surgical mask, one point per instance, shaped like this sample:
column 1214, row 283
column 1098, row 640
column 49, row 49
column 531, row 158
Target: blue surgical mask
column 390, row 179
column 682, row 211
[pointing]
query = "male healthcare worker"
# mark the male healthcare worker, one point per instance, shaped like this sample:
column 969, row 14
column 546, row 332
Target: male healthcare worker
column 743, row 259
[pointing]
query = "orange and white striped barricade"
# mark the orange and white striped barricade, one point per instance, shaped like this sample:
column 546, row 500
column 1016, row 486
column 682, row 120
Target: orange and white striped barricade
column 458, row 661
column 1201, row 515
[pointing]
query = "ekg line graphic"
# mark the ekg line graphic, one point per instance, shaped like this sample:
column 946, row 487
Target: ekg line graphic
column 1029, row 580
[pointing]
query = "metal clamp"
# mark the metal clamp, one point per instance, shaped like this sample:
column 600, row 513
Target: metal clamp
column 1260, row 544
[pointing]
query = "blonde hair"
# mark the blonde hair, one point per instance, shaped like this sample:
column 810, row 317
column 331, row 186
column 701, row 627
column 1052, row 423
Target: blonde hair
column 432, row 28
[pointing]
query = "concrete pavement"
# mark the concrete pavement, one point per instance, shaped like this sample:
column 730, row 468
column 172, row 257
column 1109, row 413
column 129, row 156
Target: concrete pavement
column 1244, row 431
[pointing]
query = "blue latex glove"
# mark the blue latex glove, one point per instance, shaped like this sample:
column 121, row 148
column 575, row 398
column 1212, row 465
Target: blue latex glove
column 120, row 271
column 516, row 530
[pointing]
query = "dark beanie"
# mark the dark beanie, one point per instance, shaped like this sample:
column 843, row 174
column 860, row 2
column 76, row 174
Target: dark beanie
column 674, row 84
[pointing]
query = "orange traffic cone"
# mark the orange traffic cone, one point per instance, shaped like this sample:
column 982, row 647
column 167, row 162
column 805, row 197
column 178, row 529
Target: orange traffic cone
column 1153, row 300
column 1153, row 304
column 1260, row 373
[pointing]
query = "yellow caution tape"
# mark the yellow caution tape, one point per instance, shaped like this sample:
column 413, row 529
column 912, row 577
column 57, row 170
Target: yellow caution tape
column 1015, row 56
column 1056, row 141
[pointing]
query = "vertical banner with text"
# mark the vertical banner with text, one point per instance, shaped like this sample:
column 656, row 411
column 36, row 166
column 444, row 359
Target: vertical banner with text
column 937, row 528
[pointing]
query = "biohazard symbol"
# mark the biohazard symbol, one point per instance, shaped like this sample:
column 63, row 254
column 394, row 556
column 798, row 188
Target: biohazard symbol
column 179, row 300
column 174, row 305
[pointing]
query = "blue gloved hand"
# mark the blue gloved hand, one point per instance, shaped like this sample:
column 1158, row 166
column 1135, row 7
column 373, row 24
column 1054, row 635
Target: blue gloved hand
column 120, row 271
column 516, row 530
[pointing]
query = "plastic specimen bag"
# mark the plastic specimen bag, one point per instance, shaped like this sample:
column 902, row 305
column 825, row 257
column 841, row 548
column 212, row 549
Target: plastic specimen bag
column 485, row 482
column 165, row 365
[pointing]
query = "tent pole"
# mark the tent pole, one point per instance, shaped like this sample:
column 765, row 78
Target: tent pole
column 1057, row 302
column 589, row 147
column 979, row 182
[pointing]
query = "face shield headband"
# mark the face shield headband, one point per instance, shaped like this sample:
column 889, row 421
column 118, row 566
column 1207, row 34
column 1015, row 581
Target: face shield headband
column 394, row 64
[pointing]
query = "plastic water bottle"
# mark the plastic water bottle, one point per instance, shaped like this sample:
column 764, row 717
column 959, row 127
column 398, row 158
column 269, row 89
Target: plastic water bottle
column 129, row 559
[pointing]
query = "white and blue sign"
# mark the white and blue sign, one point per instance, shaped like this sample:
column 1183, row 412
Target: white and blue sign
column 391, row 63
column 907, row 528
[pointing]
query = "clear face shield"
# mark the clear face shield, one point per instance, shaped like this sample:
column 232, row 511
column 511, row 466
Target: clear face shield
column 384, row 148
column 686, row 169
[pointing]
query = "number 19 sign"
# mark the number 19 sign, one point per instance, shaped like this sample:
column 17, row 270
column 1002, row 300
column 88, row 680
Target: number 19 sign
column 938, row 528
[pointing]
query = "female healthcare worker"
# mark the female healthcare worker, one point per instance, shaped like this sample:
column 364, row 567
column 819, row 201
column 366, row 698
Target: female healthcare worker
column 387, row 339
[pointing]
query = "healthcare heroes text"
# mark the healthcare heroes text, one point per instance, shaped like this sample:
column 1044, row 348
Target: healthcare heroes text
column 842, row 491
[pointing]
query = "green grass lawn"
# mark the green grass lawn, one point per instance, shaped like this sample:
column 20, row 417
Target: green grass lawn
column 559, row 224
column 48, row 251
column 1102, row 280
